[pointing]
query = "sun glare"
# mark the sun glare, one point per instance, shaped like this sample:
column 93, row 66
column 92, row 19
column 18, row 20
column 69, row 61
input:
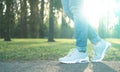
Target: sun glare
column 93, row 10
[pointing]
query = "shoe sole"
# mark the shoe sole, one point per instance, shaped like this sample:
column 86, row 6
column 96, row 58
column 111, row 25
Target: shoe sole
column 108, row 45
column 86, row 60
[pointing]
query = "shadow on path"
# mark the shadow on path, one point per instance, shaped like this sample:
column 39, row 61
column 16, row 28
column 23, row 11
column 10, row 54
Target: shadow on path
column 54, row 66
column 102, row 67
column 72, row 67
column 91, row 67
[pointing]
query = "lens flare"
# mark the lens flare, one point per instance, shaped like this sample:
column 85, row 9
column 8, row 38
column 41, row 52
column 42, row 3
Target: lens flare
column 93, row 10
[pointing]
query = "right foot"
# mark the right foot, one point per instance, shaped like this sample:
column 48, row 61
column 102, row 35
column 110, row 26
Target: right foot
column 75, row 57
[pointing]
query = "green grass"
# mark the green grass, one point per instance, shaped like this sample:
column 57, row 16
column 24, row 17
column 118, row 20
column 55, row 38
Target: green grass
column 40, row 49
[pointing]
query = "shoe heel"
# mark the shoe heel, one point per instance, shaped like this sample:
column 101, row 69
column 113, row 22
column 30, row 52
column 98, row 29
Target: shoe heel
column 86, row 60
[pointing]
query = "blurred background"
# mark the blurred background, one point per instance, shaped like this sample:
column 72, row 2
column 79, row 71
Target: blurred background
column 46, row 19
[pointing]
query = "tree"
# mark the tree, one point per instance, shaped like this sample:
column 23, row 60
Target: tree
column 23, row 24
column 117, row 26
column 34, row 18
column 51, row 23
column 9, row 18
column 102, row 28
column 66, row 30
column 54, row 5
column 42, row 26
column 1, row 18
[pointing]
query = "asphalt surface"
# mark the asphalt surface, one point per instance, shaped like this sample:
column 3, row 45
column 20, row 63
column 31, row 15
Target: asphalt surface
column 55, row 66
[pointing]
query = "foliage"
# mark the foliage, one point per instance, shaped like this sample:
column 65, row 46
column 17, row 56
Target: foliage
column 57, row 4
column 1, row 18
column 117, row 31
column 31, row 19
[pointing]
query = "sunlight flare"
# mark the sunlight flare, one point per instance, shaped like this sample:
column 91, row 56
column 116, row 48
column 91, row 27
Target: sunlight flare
column 93, row 10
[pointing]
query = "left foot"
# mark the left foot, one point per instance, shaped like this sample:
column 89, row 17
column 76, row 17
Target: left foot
column 99, row 50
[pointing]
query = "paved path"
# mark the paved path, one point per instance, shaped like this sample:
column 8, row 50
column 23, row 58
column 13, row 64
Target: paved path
column 54, row 66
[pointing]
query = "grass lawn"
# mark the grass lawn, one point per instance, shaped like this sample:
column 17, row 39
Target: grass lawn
column 40, row 49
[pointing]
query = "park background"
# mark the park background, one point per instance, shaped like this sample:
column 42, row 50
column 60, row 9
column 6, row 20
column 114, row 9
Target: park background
column 39, row 29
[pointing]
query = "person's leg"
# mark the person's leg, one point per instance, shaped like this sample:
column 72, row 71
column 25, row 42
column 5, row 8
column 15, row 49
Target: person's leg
column 80, row 24
column 83, row 30
column 100, row 46
column 73, row 10
column 78, row 54
column 92, row 35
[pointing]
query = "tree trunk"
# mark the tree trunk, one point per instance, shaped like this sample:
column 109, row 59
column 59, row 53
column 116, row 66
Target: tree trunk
column 51, row 23
column 42, row 26
column 9, row 20
column 101, row 29
column 34, row 18
column 1, row 19
column 23, row 31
